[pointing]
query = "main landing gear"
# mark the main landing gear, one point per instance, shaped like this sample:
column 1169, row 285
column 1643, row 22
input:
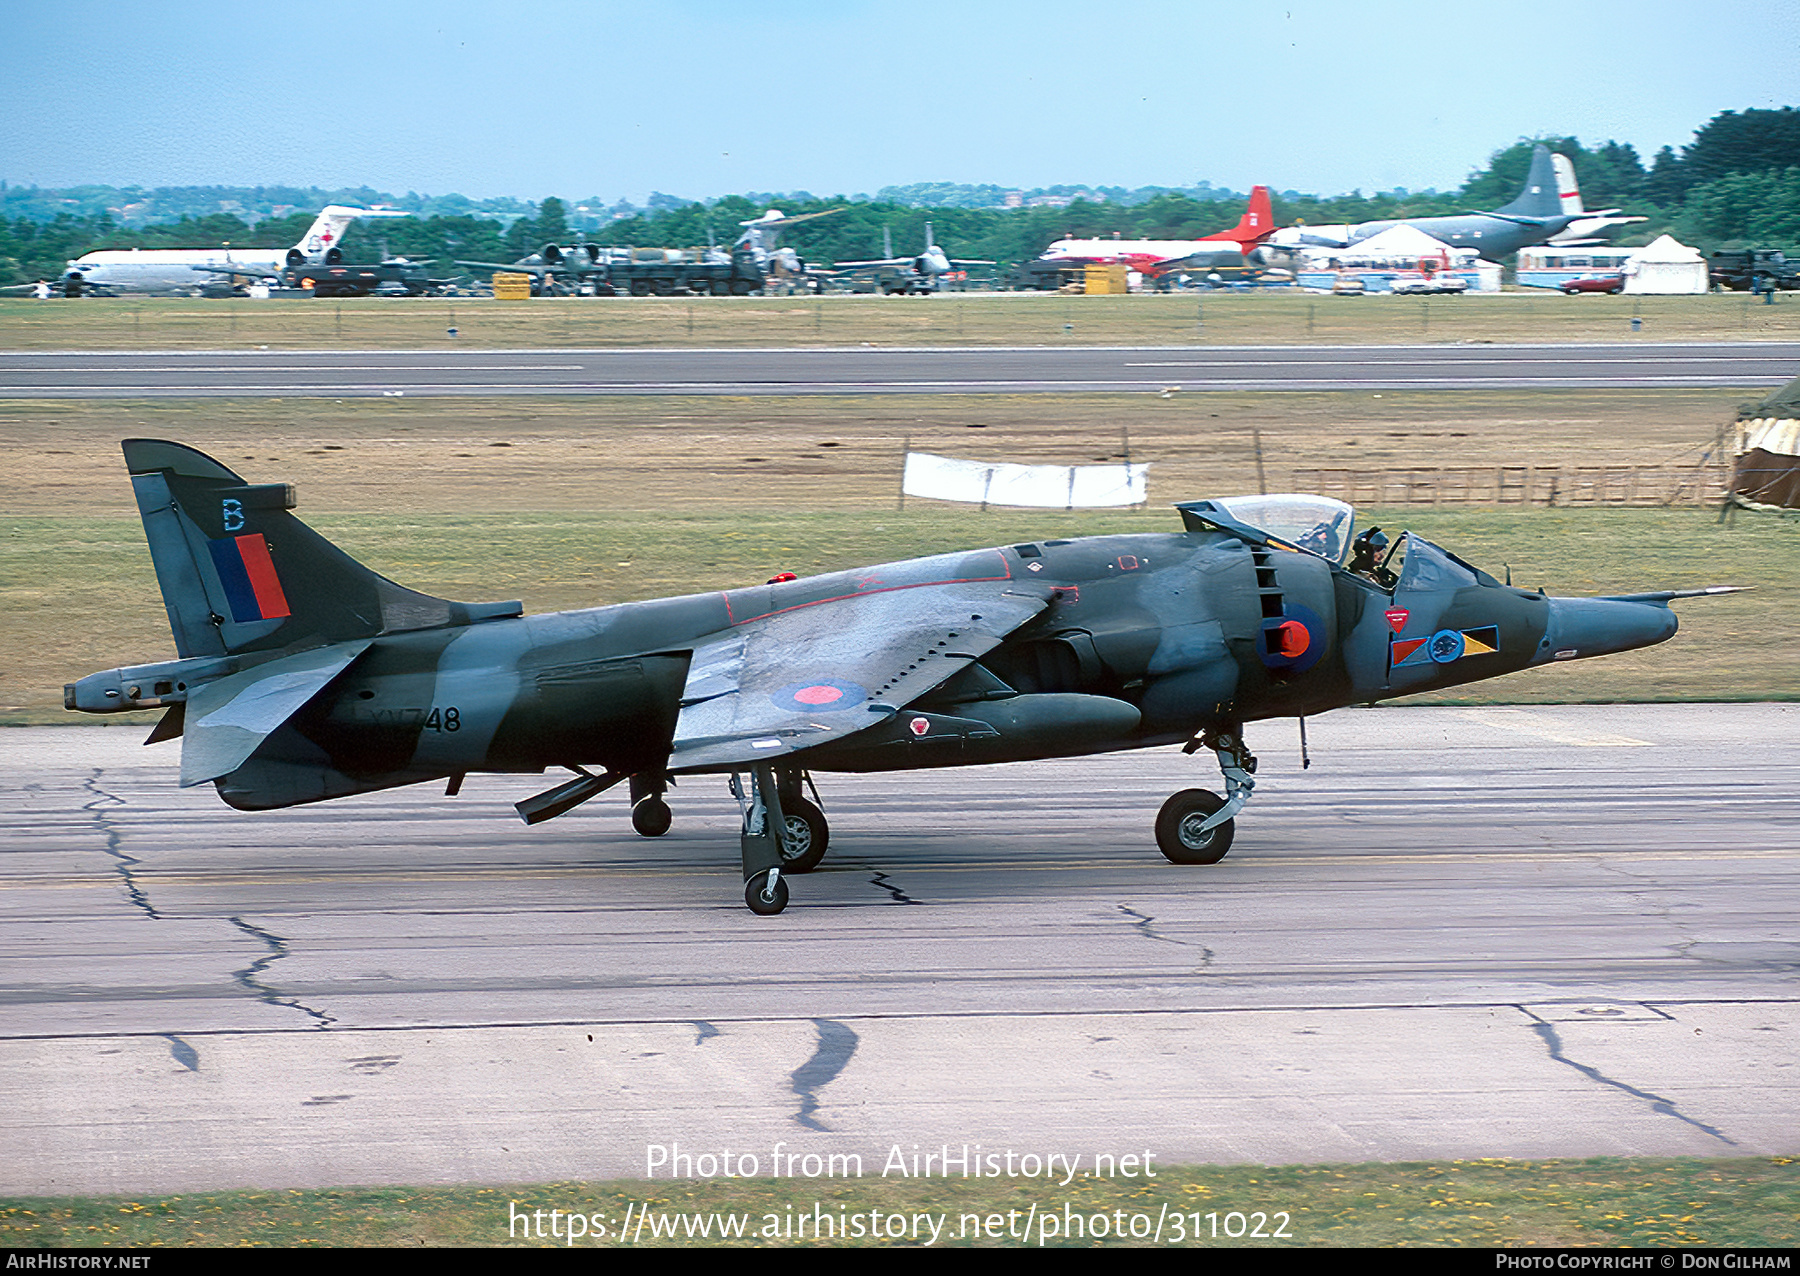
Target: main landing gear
column 783, row 834
column 1195, row 826
column 650, row 814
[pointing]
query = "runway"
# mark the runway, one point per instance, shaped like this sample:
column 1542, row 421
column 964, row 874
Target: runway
column 866, row 370
column 1532, row 932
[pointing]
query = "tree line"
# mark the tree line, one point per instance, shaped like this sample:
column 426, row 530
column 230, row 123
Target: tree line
column 1736, row 185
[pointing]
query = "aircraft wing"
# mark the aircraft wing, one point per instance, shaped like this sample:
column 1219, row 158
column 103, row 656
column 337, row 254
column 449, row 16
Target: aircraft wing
column 517, row 270
column 226, row 720
column 795, row 679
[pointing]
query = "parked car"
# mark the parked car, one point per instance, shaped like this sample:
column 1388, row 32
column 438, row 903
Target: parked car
column 1348, row 286
column 1430, row 284
column 1594, row 283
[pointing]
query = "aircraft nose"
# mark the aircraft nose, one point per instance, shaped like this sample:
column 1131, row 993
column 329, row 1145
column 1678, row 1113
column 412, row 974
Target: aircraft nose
column 1598, row 626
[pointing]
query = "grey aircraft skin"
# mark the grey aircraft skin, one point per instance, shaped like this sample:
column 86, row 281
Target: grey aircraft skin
column 303, row 675
column 1535, row 217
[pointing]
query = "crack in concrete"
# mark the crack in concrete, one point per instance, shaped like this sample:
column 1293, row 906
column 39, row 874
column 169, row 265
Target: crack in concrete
column 184, row 1054
column 114, row 837
column 1664, row 1107
column 1145, row 925
column 248, row 976
column 836, row 1044
column 900, row 896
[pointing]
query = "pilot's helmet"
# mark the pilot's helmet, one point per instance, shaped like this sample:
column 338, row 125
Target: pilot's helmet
column 1375, row 539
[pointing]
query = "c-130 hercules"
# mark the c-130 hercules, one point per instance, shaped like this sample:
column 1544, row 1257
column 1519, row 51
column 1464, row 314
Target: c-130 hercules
column 304, row 675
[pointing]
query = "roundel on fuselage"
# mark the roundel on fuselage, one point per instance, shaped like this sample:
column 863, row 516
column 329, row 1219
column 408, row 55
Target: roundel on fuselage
column 1293, row 643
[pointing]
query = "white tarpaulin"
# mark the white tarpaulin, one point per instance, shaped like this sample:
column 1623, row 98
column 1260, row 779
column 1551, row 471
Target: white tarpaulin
column 944, row 478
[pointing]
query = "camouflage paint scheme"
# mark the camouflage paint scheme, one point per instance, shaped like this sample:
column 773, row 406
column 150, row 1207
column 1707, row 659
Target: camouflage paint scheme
column 304, row 676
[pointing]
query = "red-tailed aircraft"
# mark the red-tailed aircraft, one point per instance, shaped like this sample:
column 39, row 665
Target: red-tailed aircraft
column 1155, row 256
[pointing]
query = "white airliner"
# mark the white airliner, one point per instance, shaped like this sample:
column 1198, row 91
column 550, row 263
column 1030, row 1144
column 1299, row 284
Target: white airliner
column 188, row 269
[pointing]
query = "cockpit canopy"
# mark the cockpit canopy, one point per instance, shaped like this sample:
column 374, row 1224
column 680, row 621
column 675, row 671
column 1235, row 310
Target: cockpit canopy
column 1316, row 523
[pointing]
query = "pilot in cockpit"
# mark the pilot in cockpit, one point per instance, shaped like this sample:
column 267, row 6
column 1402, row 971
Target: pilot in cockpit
column 1367, row 557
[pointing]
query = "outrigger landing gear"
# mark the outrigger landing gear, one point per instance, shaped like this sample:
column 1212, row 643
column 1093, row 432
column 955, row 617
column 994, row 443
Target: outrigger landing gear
column 1196, row 826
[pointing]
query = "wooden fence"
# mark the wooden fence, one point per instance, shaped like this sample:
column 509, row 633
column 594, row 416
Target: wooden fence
column 1574, row 485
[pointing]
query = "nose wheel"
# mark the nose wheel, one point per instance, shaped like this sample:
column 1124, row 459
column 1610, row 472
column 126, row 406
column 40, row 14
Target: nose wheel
column 1196, row 826
column 1182, row 832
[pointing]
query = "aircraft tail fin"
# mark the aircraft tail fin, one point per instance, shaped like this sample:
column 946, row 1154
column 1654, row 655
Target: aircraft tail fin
column 1540, row 197
column 1257, row 223
column 329, row 226
column 1568, row 191
column 240, row 573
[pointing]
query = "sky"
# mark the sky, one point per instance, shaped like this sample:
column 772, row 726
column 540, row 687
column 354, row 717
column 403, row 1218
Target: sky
column 701, row 98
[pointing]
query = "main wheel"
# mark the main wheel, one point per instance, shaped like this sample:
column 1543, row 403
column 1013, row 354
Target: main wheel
column 762, row 901
column 651, row 816
column 1178, row 832
column 807, row 835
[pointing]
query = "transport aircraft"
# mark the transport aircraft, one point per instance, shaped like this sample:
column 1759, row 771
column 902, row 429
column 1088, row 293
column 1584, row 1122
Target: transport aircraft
column 186, row 270
column 1153, row 256
column 1535, row 216
column 301, row 675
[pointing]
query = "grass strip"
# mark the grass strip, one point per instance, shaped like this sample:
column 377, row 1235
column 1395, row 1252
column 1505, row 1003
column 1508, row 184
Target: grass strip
column 951, row 319
column 1642, row 1201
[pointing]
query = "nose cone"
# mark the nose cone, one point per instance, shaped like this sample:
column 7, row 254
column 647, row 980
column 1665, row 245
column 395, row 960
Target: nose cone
column 1582, row 627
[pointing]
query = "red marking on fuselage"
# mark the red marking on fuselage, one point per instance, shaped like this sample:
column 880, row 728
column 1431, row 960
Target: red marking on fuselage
column 1397, row 618
column 818, row 695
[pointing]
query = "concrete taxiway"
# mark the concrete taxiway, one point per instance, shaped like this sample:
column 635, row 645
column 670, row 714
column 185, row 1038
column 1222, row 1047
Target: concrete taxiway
column 1511, row 932
column 866, row 370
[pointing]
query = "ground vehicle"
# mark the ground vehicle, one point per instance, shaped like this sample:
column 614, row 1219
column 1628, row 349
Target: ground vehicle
column 1348, row 286
column 1755, row 270
column 1593, row 283
column 1427, row 285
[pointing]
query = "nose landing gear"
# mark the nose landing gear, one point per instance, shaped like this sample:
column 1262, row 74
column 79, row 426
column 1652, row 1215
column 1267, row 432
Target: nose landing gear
column 1195, row 826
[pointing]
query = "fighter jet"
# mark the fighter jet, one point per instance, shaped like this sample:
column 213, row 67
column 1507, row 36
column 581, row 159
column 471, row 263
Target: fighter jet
column 921, row 273
column 303, row 675
column 1534, row 217
column 555, row 269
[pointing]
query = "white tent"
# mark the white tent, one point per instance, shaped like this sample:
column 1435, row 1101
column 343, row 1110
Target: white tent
column 1665, row 266
column 1402, row 247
